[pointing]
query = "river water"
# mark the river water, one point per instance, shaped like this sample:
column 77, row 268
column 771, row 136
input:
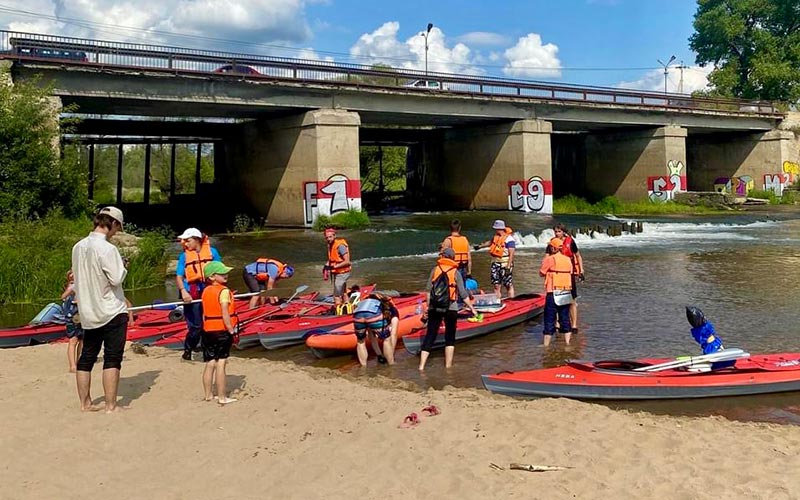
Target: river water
column 742, row 270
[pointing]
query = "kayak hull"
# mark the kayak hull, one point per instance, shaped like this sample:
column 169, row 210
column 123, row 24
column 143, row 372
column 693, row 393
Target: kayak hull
column 31, row 335
column 517, row 310
column 758, row 374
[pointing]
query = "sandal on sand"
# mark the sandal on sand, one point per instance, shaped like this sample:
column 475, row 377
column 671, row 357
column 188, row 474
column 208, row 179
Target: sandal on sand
column 411, row 420
column 431, row 411
column 225, row 401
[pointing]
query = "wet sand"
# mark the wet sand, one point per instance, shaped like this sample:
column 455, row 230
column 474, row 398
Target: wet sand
column 300, row 432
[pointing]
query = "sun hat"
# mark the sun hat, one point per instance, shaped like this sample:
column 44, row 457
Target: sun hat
column 215, row 267
column 192, row 232
column 499, row 224
column 113, row 212
column 556, row 242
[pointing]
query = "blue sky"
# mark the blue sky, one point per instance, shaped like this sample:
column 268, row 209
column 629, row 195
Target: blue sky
column 597, row 42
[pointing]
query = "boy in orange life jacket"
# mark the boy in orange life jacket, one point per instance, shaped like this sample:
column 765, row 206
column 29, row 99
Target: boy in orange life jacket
column 557, row 272
column 461, row 247
column 191, row 281
column 570, row 249
column 338, row 265
column 501, row 249
column 219, row 327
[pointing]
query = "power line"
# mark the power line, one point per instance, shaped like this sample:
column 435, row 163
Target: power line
column 115, row 28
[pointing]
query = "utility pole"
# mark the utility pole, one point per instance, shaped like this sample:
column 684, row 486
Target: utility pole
column 666, row 70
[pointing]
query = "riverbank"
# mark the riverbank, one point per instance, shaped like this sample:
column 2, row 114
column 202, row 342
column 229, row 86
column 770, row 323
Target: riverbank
column 312, row 433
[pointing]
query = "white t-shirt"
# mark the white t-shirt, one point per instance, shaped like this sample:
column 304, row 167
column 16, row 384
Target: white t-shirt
column 99, row 273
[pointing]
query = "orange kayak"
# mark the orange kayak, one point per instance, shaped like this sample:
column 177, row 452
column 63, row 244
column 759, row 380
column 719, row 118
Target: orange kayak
column 342, row 340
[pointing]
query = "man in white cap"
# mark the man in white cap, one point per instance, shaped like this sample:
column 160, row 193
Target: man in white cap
column 501, row 249
column 190, row 279
column 99, row 272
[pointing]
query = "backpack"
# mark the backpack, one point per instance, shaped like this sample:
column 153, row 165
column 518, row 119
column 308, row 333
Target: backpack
column 440, row 293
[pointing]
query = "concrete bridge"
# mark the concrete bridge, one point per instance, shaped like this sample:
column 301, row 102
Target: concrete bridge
column 290, row 131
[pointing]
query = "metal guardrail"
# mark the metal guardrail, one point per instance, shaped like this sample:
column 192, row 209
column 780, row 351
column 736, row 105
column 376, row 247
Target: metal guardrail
column 121, row 55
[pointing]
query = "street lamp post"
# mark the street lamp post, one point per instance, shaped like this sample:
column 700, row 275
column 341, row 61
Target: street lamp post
column 425, row 36
column 666, row 70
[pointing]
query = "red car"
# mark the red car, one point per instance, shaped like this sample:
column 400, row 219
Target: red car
column 237, row 68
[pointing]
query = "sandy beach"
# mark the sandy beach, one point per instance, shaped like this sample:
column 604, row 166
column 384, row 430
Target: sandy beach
column 310, row 433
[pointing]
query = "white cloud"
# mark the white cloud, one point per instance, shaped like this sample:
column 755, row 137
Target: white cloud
column 383, row 46
column 694, row 78
column 530, row 58
column 483, row 38
column 257, row 21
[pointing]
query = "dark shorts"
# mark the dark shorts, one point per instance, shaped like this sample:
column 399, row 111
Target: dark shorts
column 216, row 345
column 111, row 337
column 500, row 275
column 574, row 288
column 252, row 283
column 74, row 330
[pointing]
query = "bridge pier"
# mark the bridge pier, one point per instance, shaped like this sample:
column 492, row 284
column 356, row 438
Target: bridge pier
column 290, row 170
column 636, row 165
column 505, row 166
column 739, row 163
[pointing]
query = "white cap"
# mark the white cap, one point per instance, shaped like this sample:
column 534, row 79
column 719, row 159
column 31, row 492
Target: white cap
column 113, row 212
column 192, row 232
column 499, row 224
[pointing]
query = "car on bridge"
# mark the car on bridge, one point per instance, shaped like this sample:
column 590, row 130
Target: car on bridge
column 239, row 69
column 426, row 84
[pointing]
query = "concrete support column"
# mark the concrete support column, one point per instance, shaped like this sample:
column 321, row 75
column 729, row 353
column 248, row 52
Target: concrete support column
column 739, row 163
column 505, row 166
column 291, row 170
column 637, row 165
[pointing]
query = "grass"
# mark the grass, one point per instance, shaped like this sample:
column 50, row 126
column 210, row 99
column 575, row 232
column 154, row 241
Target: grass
column 36, row 256
column 611, row 205
column 788, row 198
column 350, row 219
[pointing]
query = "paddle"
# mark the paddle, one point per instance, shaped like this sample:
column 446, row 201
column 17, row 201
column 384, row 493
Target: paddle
column 298, row 290
column 724, row 355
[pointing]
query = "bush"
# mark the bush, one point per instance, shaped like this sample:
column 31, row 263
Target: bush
column 764, row 195
column 350, row 219
column 34, row 180
column 611, row 205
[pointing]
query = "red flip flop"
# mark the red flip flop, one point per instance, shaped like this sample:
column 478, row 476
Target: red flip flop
column 411, row 420
column 431, row 411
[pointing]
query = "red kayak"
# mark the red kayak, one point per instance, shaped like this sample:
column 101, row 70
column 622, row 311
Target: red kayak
column 248, row 337
column 513, row 311
column 342, row 340
column 623, row 380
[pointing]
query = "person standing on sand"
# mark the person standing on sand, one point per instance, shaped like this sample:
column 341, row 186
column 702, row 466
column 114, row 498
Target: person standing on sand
column 73, row 326
column 570, row 249
column 461, row 247
column 219, row 328
column 443, row 305
column 338, row 266
column 557, row 272
column 99, row 272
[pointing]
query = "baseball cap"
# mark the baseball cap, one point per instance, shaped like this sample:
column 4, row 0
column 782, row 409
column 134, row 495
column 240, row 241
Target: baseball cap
column 215, row 267
column 499, row 224
column 449, row 253
column 192, row 232
column 556, row 242
column 113, row 212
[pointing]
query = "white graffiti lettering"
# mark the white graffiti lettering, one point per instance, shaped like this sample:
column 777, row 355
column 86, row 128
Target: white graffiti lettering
column 536, row 196
column 516, row 199
column 337, row 188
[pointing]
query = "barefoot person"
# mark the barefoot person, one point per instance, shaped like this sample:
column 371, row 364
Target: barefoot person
column 570, row 249
column 376, row 317
column 264, row 273
column 557, row 272
column 72, row 321
column 99, row 273
column 338, row 265
column 501, row 249
column 219, row 327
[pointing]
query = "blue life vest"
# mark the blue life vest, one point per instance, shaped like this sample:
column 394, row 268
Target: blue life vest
column 702, row 333
column 368, row 307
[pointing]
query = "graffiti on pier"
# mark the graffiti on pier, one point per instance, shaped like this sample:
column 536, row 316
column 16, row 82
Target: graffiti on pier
column 737, row 186
column 791, row 168
column 778, row 182
column 533, row 195
column 329, row 197
column 663, row 188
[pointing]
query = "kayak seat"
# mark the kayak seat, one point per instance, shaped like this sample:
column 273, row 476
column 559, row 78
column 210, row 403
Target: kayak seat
column 620, row 365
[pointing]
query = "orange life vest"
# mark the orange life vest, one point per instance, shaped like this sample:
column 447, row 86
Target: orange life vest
column 195, row 260
column 498, row 246
column 212, row 309
column 335, row 258
column 263, row 261
column 560, row 275
column 450, row 268
column 460, row 246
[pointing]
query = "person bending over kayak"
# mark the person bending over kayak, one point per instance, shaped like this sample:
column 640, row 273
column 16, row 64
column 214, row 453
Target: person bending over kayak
column 376, row 316
column 263, row 273
column 446, row 288
column 219, row 327
column 557, row 272
column 191, row 281
column 338, row 265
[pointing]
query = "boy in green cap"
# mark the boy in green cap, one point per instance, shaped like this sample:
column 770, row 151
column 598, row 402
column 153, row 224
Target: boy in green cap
column 219, row 327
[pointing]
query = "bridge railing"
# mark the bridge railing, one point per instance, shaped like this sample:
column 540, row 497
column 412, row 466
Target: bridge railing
column 108, row 55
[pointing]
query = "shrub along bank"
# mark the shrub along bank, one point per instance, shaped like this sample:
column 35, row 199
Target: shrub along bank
column 611, row 205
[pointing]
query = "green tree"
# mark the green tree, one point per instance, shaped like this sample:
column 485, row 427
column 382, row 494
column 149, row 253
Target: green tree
column 34, row 180
column 754, row 46
column 394, row 168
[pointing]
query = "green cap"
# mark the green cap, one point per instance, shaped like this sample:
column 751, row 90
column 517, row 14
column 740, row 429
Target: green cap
column 215, row 267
